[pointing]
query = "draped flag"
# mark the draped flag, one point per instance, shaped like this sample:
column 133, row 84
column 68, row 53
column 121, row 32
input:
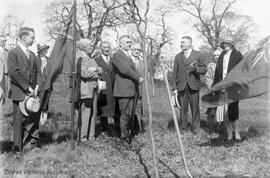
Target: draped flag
column 250, row 78
column 62, row 52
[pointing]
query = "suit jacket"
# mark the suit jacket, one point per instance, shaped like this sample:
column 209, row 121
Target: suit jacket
column 126, row 76
column 183, row 72
column 106, row 102
column 23, row 73
column 235, row 58
column 87, row 74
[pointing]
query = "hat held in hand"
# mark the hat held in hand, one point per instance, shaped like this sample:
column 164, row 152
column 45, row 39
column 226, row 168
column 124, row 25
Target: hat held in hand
column 29, row 105
column 101, row 86
column 175, row 102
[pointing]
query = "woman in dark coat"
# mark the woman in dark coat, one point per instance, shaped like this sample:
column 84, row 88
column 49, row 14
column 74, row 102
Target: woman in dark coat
column 228, row 59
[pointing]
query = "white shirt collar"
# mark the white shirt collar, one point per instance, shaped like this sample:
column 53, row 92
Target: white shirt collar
column 126, row 52
column 25, row 49
column 106, row 58
column 187, row 52
column 228, row 52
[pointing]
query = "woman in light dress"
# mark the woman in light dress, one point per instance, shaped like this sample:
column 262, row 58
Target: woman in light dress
column 209, row 79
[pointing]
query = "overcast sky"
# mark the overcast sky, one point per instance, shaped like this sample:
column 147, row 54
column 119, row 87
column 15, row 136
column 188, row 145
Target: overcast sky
column 32, row 11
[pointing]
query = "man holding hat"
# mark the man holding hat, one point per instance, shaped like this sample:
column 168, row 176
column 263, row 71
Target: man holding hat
column 24, row 75
column 227, row 60
column 188, row 66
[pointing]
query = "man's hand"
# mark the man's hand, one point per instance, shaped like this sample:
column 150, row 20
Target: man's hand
column 31, row 91
column 99, row 70
column 141, row 80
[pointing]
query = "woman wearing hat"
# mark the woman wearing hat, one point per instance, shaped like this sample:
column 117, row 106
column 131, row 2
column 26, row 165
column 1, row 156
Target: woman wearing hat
column 42, row 50
column 227, row 60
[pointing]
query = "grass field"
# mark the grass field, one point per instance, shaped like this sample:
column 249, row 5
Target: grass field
column 206, row 155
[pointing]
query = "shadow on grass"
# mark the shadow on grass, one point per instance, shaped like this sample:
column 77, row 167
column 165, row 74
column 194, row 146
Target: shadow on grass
column 221, row 139
column 171, row 171
column 6, row 146
column 146, row 171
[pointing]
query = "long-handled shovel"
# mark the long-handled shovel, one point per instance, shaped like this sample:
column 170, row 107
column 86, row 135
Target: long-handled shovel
column 175, row 122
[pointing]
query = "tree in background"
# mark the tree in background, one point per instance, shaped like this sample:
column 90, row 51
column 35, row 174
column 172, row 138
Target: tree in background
column 139, row 18
column 157, row 40
column 93, row 17
column 10, row 27
column 214, row 19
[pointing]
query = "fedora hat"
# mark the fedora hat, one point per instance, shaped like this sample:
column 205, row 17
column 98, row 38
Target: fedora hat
column 29, row 105
column 101, row 86
column 41, row 47
column 227, row 40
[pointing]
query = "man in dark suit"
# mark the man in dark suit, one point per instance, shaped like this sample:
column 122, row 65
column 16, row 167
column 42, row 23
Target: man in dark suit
column 227, row 60
column 106, row 101
column 24, row 75
column 188, row 66
column 126, row 79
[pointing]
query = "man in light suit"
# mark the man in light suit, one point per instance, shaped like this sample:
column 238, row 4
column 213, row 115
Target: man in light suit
column 88, row 73
column 106, row 101
column 188, row 66
column 126, row 79
column 3, row 75
column 24, row 76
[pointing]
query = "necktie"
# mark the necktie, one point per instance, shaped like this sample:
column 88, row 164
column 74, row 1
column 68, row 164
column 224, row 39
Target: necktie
column 186, row 54
column 107, row 60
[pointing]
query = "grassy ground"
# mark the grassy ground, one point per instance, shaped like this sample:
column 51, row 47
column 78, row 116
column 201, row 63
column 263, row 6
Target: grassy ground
column 206, row 155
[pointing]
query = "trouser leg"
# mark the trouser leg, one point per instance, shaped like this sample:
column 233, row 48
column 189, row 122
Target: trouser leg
column 194, row 101
column 125, row 106
column 183, row 101
column 86, row 107
column 17, row 127
column 104, row 123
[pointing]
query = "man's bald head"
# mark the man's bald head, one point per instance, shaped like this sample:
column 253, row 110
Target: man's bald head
column 86, row 45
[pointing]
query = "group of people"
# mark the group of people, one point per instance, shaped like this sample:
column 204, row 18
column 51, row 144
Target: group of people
column 123, row 73
column 189, row 65
column 121, row 100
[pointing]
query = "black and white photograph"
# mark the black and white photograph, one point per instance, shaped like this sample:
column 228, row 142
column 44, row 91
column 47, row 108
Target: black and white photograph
column 135, row 88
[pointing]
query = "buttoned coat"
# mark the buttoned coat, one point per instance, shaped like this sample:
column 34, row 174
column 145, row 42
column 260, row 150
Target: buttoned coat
column 235, row 58
column 185, row 74
column 86, row 69
column 106, row 102
column 23, row 72
column 126, row 75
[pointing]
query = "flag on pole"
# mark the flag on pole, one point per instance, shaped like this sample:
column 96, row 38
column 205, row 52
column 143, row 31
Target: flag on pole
column 62, row 52
column 250, row 78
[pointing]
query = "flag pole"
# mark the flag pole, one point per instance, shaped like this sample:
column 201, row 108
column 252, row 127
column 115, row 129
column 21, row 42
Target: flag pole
column 73, row 74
